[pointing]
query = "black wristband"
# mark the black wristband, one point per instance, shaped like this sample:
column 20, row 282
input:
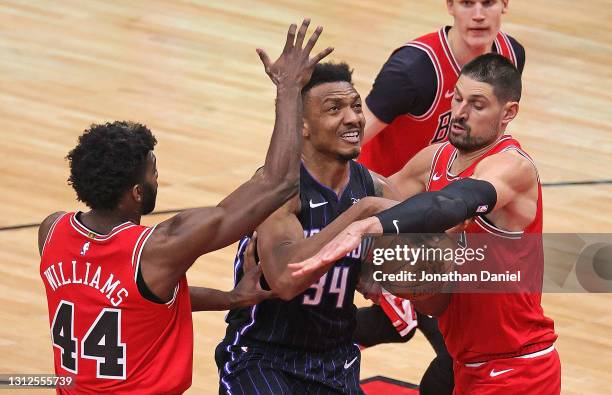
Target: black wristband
column 434, row 212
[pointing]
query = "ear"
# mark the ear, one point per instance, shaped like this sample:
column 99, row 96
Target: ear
column 305, row 129
column 449, row 7
column 504, row 6
column 510, row 112
column 136, row 193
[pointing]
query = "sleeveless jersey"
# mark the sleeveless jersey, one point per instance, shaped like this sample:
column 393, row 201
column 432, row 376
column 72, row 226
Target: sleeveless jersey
column 323, row 316
column 104, row 333
column 479, row 327
column 399, row 141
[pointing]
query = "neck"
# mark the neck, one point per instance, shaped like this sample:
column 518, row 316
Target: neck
column 333, row 173
column 103, row 221
column 462, row 51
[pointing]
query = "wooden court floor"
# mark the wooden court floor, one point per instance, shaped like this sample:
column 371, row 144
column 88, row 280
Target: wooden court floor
column 188, row 69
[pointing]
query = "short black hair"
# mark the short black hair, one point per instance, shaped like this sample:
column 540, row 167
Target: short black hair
column 498, row 71
column 108, row 160
column 329, row 72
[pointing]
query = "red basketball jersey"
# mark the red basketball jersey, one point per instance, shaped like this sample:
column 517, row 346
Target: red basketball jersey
column 104, row 333
column 477, row 326
column 397, row 143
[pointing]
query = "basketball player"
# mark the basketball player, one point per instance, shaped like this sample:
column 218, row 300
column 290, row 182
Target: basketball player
column 119, row 305
column 408, row 109
column 302, row 342
column 501, row 343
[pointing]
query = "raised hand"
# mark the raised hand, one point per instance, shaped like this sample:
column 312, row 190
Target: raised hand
column 294, row 66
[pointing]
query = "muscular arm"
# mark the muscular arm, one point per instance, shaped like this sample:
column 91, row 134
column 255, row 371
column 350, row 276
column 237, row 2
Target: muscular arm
column 282, row 241
column 176, row 243
column 413, row 177
column 208, row 299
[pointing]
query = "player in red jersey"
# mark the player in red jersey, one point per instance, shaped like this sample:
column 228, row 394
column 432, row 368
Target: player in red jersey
column 408, row 109
column 501, row 343
column 119, row 304
column 409, row 105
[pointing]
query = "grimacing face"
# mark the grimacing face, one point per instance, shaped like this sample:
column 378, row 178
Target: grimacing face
column 333, row 120
column 477, row 116
column 477, row 21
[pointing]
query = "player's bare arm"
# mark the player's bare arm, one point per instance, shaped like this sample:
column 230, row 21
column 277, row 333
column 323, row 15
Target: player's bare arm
column 412, row 178
column 176, row 243
column 373, row 125
column 247, row 292
column 515, row 179
column 281, row 241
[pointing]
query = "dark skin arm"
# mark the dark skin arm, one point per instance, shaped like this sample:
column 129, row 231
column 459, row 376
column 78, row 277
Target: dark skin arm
column 176, row 243
column 247, row 292
column 282, row 240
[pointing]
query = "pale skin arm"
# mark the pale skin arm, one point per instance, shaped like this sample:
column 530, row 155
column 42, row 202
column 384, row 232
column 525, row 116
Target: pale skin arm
column 515, row 181
column 282, row 239
column 373, row 125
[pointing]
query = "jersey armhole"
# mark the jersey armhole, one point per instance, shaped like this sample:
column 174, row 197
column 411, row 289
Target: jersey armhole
column 144, row 291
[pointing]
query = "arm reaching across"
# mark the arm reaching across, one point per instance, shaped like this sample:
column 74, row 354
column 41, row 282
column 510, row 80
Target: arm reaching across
column 247, row 292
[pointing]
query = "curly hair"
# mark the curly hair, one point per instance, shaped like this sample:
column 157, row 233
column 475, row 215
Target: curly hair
column 108, row 160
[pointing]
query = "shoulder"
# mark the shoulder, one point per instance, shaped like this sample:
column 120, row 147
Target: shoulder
column 44, row 227
column 410, row 57
column 519, row 50
column 514, row 169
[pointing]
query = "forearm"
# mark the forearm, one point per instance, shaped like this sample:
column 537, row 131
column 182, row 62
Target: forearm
column 277, row 273
column 208, row 299
column 283, row 157
column 435, row 212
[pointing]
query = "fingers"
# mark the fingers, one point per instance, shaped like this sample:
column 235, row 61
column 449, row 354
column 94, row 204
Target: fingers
column 249, row 255
column 265, row 59
column 302, row 33
column 290, row 38
column 313, row 40
column 317, row 58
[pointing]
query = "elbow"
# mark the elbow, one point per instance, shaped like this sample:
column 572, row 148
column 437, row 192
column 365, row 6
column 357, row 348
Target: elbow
column 284, row 187
column 284, row 290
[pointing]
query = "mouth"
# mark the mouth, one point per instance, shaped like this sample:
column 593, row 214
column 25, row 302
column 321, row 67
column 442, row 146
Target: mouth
column 457, row 129
column 479, row 31
column 352, row 136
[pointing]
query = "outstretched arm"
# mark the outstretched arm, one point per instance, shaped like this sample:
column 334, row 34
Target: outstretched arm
column 281, row 241
column 176, row 243
column 246, row 293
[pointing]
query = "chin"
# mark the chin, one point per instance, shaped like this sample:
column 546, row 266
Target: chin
column 350, row 155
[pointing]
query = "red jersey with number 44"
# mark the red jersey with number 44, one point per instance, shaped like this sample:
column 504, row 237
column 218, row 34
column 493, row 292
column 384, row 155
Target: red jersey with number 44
column 104, row 333
column 399, row 141
column 479, row 327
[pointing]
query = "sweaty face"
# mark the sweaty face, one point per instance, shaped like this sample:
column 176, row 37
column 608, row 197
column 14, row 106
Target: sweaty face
column 333, row 120
column 477, row 21
column 149, row 186
column 476, row 115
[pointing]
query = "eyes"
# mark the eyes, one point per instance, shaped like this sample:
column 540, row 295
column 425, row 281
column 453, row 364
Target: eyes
column 476, row 104
column 486, row 3
column 334, row 108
